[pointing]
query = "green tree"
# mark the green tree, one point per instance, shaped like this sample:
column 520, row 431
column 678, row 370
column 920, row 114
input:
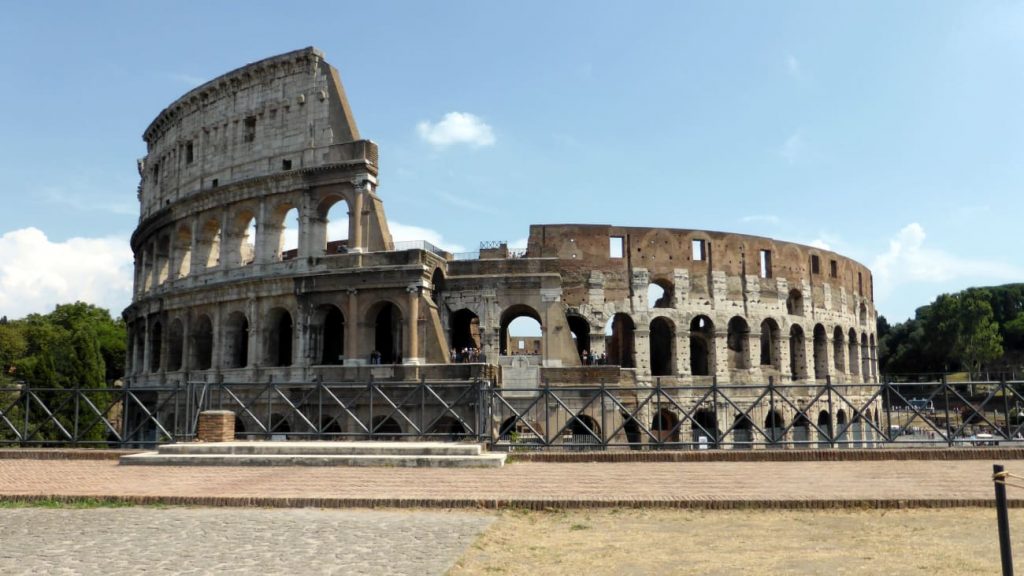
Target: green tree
column 978, row 340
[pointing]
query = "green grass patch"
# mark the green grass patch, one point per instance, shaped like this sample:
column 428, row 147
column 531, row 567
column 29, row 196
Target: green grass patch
column 75, row 503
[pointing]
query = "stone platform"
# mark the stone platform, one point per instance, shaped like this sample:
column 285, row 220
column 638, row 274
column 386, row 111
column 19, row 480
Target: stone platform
column 394, row 454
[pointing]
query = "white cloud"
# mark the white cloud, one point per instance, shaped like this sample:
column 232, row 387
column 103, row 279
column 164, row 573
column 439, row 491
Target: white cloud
column 405, row 232
column 909, row 261
column 36, row 274
column 794, row 148
column 457, row 128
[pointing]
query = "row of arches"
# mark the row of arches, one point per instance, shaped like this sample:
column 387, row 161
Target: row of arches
column 660, row 294
column 200, row 345
column 239, row 238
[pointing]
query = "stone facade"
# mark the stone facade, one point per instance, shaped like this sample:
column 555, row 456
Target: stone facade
column 219, row 298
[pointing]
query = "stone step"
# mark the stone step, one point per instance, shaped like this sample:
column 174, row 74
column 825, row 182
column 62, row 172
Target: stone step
column 488, row 460
column 322, row 448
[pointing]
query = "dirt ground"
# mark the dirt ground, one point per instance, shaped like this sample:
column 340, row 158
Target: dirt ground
column 621, row 542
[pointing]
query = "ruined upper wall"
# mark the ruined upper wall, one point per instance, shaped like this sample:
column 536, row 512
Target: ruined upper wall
column 698, row 255
column 278, row 114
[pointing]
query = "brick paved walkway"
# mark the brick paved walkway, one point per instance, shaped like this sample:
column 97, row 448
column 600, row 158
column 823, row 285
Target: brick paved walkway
column 525, row 484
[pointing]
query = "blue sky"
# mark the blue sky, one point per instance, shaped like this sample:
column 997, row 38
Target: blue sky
column 889, row 132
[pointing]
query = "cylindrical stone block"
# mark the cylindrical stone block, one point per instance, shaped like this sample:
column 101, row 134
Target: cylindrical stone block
column 216, row 426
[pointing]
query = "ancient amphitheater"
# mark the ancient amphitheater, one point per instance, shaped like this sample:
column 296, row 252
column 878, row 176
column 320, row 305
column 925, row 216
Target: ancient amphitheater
column 221, row 298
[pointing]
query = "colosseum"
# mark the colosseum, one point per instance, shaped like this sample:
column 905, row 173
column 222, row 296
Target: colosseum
column 263, row 256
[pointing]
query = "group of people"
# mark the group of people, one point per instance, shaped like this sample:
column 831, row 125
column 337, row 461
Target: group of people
column 466, row 355
column 590, row 359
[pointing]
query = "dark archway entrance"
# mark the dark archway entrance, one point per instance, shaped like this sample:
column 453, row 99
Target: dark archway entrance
column 387, row 338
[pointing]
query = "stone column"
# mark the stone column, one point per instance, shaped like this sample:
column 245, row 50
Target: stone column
column 146, row 346
column 720, row 356
column 412, row 353
column 352, row 329
column 355, row 219
column 194, row 265
column 642, row 349
column 682, row 349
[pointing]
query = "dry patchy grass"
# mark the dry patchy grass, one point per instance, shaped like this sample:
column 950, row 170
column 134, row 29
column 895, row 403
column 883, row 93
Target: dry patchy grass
column 620, row 542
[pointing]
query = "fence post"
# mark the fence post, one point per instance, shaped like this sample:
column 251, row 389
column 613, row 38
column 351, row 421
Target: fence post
column 714, row 410
column 604, row 426
column 771, row 411
column 548, row 440
column 887, row 386
column 1006, row 405
column 945, row 401
column 78, row 396
column 369, row 388
column 1002, row 519
column 832, row 424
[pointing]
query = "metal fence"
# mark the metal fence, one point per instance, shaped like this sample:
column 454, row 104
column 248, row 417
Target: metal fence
column 792, row 416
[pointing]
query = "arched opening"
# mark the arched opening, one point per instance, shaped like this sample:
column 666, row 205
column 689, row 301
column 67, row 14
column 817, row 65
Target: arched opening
column 508, row 427
column 175, row 345
column 139, row 361
column 824, row 429
column 387, row 334
column 334, row 212
column 239, row 426
column 332, row 335
column 865, row 360
column 521, row 331
column 162, row 258
column 795, row 303
column 738, row 343
column 820, row 352
column 465, row 335
column 662, row 340
column 284, row 239
column 202, row 343
column 873, row 363
column 450, row 428
column 797, row 353
column 853, row 353
column 742, row 432
column 208, row 247
column 584, row 430
column 665, row 425
column 280, row 338
column 279, row 426
column 580, row 329
column 236, row 340
column 329, row 426
column 771, row 344
column 240, row 243
column 437, row 287
column 156, row 343
column 838, row 349
column 774, row 425
column 631, row 428
column 841, row 434
column 659, row 294
column 801, row 430
column 704, row 427
column 385, row 428
column 619, row 341
column 702, row 338
column 862, row 314
column 182, row 252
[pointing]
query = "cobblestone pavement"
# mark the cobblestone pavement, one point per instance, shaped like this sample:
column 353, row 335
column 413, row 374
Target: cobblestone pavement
column 940, row 482
column 233, row 541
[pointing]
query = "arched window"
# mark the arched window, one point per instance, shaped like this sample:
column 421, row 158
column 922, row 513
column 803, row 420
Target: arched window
column 774, row 425
column 236, row 340
column 824, row 429
column 820, row 352
column 665, row 425
column 797, row 353
column 331, row 331
column 795, row 303
column 580, row 329
column 182, row 252
column 705, row 425
column 838, row 349
column 208, row 247
column 771, row 344
column 387, row 333
column 702, row 340
column 175, row 345
column 738, row 342
column 865, row 358
column 202, row 343
column 662, row 341
column 156, row 342
column 619, row 341
column 854, row 358
column 659, row 294
column 330, row 233
column 283, row 235
column 280, row 335
column 521, row 331
column 465, row 332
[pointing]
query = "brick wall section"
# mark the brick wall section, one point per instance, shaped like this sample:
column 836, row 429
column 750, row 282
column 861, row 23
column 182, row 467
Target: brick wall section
column 216, row 426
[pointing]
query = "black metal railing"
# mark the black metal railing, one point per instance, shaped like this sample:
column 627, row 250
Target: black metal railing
column 585, row 417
